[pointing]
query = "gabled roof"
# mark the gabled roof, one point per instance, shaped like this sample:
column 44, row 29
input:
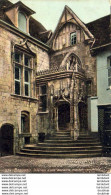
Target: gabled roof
column 68, row 16
column 101, row 30
column 4, row 4
column 22, row 6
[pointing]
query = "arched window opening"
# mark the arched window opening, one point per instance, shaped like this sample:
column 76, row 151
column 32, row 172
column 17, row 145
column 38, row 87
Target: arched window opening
column 73, row 63
column 22, row 22
column 25, row 122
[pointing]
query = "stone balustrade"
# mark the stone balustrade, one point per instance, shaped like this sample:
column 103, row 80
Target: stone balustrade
column 56, row 69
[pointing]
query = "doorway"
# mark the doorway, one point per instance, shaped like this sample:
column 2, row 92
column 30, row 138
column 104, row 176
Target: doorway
column 107, row 127
column 25, row 126
column 6, row 139
column 64, row 116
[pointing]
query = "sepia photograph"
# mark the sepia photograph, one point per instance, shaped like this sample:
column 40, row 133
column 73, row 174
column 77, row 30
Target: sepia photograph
column 55, row 86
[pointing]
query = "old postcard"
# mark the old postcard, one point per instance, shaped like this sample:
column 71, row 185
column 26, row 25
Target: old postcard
column 55, row 87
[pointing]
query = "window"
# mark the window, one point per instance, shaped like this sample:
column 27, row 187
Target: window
column 27, row 82
column 18, row 57
column 17, row 74
column 22, row 22
column 43, row 98
column 25, row 127
column 17, row 80
column 23, row 71
column 88, row 87
column 73, row 38
column 27, row 60
column 109, row 71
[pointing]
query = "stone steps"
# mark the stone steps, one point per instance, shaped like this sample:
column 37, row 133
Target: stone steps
column 52, row 141
column 62, row 149
column 65, row 144
column 69, row 138
column 74, row 151
column 66, row 148
column 97, row 154
column 60, row 145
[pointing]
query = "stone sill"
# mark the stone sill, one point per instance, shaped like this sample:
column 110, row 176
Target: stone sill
column 25, row 134
column 47, row 112
column 24, row 97
column 94, row 97
column 107, row 130
column 109, row 88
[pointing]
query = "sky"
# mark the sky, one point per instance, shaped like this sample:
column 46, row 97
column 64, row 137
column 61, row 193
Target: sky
column 48, row 12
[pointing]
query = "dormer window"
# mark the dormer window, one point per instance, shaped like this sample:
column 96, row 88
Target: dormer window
column 73, row 38
column 19, row 15
column 22, row 22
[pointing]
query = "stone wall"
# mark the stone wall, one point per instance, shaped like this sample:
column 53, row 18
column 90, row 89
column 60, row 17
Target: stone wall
column 42, row 60
column 12, row 105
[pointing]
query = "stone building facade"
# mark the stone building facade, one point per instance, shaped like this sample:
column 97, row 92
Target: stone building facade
column 71, row 78
column 46, row 80
column 20, row 56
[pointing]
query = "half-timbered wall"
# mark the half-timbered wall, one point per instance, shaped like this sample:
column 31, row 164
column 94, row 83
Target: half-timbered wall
column 62, row 39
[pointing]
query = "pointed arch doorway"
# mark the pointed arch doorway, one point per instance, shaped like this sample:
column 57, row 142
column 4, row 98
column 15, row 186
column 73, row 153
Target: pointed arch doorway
column 64, row 116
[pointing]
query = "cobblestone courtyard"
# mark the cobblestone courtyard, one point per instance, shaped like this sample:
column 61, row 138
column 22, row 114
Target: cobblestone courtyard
column 17, row 164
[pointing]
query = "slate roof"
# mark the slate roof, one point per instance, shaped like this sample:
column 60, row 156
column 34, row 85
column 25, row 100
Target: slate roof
column 37, row 30
column 3, row 5
column 100, row 28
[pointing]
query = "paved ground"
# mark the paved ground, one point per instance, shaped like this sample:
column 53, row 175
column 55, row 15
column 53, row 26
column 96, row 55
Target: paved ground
column 16, row 164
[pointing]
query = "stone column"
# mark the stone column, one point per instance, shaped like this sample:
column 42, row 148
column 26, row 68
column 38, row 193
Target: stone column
column 76, row 125
column 72, row 107
column 51, row 111
column 51, row 114
column 74, row 121
column 76, row 114
column 57, row 122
